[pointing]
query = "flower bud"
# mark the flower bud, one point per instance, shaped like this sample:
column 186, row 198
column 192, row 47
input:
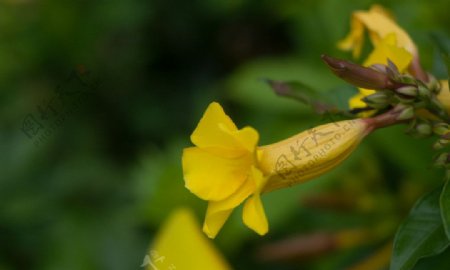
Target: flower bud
column 408, row 79
column 433, row 84
column 377, row 100
column 441, row 143
column 440, row 128
column 405, row 99
column 446, row 136
column 406, row 113
column 424, row 129
column 442, row 159
column 378, row 97
column 424, row 91
column 409, row 91
column 358, row 75
column 379, row 67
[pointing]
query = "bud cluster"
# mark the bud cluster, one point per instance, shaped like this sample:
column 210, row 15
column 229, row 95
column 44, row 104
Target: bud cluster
column 403, row 97
column 403, row 92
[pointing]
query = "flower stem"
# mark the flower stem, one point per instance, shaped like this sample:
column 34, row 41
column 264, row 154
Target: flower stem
column 384, row 120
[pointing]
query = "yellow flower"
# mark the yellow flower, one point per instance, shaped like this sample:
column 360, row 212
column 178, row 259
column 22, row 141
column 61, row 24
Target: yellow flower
column 389, row 40
column 180, row 245
column 227, row 168
column 379, row 24
column 222, row 169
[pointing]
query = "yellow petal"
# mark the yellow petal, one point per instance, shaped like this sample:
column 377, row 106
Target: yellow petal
column 381, row 10
column 444, row 95
column 257, row 177
column 209, row 130
column 219, row 211
column 356, row 101
column 254, row 216
column 213, row 177
column 214, row 222
column 248, row 137
column 379, row 25
column 180, row 244
column 217, row 133
column 355, row 39
column 388, row 48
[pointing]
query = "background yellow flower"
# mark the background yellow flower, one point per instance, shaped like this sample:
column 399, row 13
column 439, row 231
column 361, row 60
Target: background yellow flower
column 180, row 244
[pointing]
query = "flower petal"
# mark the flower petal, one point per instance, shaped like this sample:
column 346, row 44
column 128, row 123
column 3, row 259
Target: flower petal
column 182, row 243
column 354, row 40
column 254, row 216
column 444, row 95
column 379, row 25
column 214, row 222
column 388, row 48
column 213, row 177
column 219, row 211
column 248, row 138
column 216, row 131
column 258, row 178
column 356, row 101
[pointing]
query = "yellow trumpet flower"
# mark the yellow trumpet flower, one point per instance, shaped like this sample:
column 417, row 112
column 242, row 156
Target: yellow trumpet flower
column 226, row 167
column 379, row 24
column 390, row 42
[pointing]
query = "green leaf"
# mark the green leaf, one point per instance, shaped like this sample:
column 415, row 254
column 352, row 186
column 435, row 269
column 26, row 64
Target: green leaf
column 441, row 261
column 446, row 58
column 442, row 41
column 320, row 102
column 293, row 89
column 445, row 207
column 245, row 85
column 421, row 235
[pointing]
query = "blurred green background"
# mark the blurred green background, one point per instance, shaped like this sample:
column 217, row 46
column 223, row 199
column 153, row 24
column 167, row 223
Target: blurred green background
column 99, row 169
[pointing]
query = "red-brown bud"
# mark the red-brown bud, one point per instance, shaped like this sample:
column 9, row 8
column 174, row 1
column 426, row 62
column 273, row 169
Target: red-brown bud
column 359, row 76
